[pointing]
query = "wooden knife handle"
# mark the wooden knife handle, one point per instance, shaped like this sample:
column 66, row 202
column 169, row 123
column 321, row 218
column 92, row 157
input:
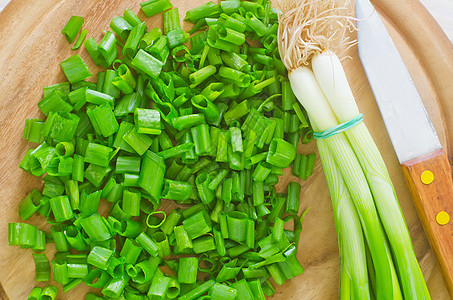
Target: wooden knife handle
column 433, row 195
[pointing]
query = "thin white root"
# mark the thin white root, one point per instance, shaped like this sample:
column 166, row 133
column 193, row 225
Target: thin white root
column 307, row 27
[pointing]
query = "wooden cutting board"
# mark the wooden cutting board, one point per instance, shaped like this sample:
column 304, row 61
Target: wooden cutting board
column 31, row 47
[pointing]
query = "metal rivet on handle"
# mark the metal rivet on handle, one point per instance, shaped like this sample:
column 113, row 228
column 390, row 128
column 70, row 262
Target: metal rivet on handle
column 427, row 177
column 442, row 218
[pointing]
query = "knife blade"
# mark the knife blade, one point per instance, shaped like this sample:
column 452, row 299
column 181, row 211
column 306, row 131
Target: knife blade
column 410, row 130
column 425, row 164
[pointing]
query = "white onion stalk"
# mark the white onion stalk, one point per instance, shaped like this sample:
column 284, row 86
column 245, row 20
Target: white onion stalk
column 331, row 77
column 308, row 29
column 307, row 91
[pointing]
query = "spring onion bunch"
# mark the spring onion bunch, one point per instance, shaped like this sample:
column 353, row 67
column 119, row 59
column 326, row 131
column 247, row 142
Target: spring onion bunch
column 377, row 257
column 202, row 119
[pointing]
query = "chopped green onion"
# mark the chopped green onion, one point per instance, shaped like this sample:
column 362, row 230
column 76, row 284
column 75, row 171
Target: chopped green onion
column 71, row 28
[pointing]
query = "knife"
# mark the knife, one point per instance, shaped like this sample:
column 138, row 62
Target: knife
column 424, row 162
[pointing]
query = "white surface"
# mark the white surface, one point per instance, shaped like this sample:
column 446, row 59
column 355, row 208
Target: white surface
column 442, row 11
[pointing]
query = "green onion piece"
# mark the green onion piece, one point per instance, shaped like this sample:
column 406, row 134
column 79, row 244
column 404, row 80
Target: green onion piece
column 188, row 121
column 310, row 164
column 61, row 208
column 237, row 226
column 115, row 287
column 237, row 112
column 89, row 203
column 303, row 166
column 290, row 267
column 133, row 40
column 72, row 190
column 257, row 290
column 35, row 294
column 183, row 241
column 201, row 75
column 202, row 181
column 30, row 204
column 77, row 270
column 139, row 142
column 131, row 18
column 61, row 244
column 152, row 174
column 233, row 60
column 177, row 37
column 228, row 271
column 261, row 172
column 71, row 28
column 201, row 139
column 147, row 121
column 64, row 149
column 227, row 21
column 146, row 270
column 187, row 271
column 171, row 20
column 115, row 267
column 50, row 292
column 60, row 126
column 153, row 7
column 292, row 203
column 170, row 222
column 206, row 107
column 54, row 102
column 75, row 238
column 109, row 88
column 277, row 231
column 63, row 87
column 236, row 139
column 40, row 244
column 281, row 153
column 197, row 224
column 75, row 69
column 99, row 257
column 80, row 39
column 96, row 278
column 103, row 117
column 98, row 154
column 147, row 63
column 60, row 271
column 72, row 284
column 162, row 241
column 203, row 244
column 121, row 27
column 42, row 267
column 131, row 202
column 176, row 151
column 206, row 10
column 33, row 130
column 217, row 180
column 222, row 292
column 176, row 190
column 22, row 234
column 230, row 35
column 97, row 228
column 131, row 251
column 159, row 287
column 128, row 164
column 198, row 291
column 147, row 244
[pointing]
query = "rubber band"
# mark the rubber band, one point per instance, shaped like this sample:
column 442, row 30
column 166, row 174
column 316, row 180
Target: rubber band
column 339, row 128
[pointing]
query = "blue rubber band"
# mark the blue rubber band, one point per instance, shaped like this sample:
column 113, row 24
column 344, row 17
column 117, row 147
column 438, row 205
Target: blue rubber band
column 339, row 128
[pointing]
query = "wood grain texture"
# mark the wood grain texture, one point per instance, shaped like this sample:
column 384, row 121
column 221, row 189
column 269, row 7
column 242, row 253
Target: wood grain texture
column 31, row 48
column 429, row 200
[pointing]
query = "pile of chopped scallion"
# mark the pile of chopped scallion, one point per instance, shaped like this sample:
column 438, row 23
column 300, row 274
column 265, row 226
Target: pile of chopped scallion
column 210, row 127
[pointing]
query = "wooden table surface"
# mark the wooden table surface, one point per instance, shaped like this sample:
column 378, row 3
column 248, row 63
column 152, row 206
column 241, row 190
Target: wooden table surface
column 31, row 47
